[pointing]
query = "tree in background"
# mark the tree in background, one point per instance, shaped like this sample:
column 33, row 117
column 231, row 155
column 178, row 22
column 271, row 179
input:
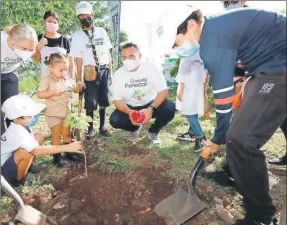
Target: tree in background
column 31, row 12
column 174, row 70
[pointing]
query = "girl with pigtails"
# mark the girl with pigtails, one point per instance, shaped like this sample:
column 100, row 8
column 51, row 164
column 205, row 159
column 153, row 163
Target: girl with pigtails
column 57, row 87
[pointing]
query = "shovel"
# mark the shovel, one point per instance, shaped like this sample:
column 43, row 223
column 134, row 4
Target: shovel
column 182, row 206
column 26, row 214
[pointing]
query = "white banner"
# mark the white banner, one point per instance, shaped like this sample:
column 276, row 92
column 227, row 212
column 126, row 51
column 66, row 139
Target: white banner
column 114, row 8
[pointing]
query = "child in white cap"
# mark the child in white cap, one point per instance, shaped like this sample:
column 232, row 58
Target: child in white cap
column 19, row 144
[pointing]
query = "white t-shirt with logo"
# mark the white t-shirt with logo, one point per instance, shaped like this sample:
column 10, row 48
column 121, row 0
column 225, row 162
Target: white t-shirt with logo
column 140, row 87
column 16, row 136
column 9, row 60
column 81, row 47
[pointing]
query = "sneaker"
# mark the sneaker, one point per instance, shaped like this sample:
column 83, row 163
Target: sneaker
column 279, row 161
column 198, row 144
column 58, row 161
column 154, row 138
column 75, row 157
column 249, row 221
column 134, row 134
column 90, row 134
column 186, row 137
column 34, row 168
column 105, row 132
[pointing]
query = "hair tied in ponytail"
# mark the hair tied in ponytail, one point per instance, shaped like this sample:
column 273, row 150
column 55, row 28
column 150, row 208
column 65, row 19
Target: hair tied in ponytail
column 47, row 60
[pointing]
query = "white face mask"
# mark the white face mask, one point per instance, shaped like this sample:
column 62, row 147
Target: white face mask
column 130, row 64
column 234, row 6
column 25, row 55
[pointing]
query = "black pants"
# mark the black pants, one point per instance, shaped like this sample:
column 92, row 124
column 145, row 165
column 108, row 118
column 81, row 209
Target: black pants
column 97, row 91
column 9, row 87
column 262, row 111
column 163, row 115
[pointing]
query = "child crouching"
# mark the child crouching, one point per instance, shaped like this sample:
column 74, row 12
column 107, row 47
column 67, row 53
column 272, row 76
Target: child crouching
column 57, row 89
column 19, row 144
column 190, row 97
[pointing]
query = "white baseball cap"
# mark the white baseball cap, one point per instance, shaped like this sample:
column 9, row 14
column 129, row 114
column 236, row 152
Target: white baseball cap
column 166, row 28
column 21, row 105
column 84, row 7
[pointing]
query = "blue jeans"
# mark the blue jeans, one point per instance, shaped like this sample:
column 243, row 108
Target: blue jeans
column 194, row 126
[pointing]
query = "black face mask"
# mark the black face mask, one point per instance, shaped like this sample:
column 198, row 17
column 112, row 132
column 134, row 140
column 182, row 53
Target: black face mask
column 87, row 22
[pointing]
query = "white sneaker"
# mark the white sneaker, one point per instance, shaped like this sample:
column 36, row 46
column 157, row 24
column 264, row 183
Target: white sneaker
column 154, row 138
column 134, row 135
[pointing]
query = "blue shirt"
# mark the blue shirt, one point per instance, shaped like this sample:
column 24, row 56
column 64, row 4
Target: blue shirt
column 256, row 37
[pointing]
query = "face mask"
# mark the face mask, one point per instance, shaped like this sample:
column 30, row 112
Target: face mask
column 234, row 6
column 25, row 55
column 130, row 64
column 34, row 121
column 186, row 51
column 87, row 22
column 52, row 27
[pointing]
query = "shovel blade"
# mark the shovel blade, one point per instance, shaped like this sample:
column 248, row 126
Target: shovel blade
column 171, row 206
column 191, row 208
column 179, row 207
column 31, row 216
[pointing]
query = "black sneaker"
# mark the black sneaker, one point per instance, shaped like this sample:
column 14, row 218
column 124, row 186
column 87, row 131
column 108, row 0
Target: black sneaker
column 279, row 161
column 198, row 144
column 58, row 161
column 105, row 132
column 34, row 168
column 74, row 157
column 186, row 137
column 249, row 221
column 90, row 134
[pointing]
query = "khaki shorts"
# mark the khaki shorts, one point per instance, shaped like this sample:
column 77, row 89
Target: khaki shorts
column 54, row 120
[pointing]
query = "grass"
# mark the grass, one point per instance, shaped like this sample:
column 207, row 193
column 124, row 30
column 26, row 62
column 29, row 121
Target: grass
column 114, row 154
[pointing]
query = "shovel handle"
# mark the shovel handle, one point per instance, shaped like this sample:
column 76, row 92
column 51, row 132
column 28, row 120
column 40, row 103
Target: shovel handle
column 10, row 190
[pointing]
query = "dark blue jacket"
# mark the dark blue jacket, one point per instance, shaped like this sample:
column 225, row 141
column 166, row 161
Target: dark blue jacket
column 256, row 37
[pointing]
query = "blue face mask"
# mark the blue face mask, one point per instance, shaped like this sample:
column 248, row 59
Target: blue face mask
column 186, row 50
column 34, row 121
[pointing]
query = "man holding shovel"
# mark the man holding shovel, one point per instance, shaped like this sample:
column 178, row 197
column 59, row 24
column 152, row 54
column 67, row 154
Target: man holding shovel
column 258, row 39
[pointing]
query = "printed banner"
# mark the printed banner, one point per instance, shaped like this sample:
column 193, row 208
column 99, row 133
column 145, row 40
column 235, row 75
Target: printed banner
column 114, row 8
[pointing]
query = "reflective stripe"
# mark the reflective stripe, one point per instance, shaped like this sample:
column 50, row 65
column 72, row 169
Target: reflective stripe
column 223, row 90
column 224, row 101
column 244, row 84
column 224, row 111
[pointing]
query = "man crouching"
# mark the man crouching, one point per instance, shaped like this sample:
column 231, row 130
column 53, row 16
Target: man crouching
column 140, row 86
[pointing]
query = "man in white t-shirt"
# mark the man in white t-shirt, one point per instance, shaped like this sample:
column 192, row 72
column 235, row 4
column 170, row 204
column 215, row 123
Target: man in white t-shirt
column 91, row 49
column 140, row 86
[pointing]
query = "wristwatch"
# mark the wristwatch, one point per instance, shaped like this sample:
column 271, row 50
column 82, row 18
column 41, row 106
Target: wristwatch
column 152, row 107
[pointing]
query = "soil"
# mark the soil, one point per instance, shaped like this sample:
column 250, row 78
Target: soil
column 117, row 199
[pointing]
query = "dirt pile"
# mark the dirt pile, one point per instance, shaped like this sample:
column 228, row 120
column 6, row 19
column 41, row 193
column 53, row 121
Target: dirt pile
column 118, row 199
